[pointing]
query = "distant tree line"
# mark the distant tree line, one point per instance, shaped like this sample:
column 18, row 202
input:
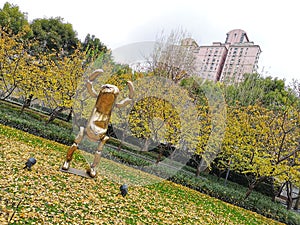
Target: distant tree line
column 51, row 34
column 42, row 56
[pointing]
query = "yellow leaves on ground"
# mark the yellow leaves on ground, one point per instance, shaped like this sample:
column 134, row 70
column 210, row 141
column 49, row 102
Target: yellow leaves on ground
column 45, row 195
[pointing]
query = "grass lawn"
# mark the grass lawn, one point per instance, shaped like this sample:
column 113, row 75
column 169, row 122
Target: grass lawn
column 45, row 195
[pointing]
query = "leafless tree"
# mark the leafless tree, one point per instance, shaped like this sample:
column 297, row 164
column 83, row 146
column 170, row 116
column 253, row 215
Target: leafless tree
column 295, row 85
column 173, row 55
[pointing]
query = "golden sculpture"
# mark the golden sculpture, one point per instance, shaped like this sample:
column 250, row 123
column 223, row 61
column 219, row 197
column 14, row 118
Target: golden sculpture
column 98, row 123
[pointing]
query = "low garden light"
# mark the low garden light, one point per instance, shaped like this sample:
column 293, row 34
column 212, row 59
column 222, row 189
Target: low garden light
column 30, row 162
column 124, row 190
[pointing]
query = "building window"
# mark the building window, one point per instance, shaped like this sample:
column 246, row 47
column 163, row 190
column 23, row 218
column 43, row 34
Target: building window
column 242, row 38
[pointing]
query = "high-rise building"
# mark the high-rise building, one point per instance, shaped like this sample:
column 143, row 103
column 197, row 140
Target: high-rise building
column 229, row 61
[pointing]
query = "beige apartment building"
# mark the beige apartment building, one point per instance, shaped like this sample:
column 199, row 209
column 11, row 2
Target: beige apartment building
column 229, row 61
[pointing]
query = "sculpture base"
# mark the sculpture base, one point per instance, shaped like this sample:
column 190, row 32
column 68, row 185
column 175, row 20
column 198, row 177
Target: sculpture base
column 78, row 172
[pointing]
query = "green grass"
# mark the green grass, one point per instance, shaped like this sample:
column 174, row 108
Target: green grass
column 47, row 196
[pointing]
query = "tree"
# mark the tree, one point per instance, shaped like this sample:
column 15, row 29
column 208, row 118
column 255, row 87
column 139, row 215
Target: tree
column 54, row 35
column 284, row 138
column 173, row 60
column 270, row 92
column 243, row 145
column 295, row 87
column 61, row 82
column 261, row 143
column 163, row 117
column 11, row 18
column 154, row 118
column 281, row 103
column 13, row 58
column 29, row 88
column 94, row 47
column 297, row 203
column 211, row 108
column 173, row 56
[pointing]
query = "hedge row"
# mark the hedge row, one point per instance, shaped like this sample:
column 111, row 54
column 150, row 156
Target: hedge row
column 35, row 123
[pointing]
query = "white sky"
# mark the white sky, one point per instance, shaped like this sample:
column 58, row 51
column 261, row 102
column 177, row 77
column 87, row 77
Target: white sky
column 271, row 24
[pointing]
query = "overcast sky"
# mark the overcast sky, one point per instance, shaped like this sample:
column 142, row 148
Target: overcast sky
column 273, row 24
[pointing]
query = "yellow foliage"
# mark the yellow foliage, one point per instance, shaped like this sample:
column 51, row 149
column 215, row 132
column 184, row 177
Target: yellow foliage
column 161, row 112
column 262, row 142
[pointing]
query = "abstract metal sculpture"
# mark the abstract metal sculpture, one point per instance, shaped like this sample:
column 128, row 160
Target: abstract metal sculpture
column 97, row 125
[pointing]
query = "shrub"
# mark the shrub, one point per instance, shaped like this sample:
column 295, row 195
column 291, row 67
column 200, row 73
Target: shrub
column 34, row 123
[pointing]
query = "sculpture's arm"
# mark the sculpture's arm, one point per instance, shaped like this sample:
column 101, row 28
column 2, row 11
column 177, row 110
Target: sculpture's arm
column 89, row 84
column 127, row 100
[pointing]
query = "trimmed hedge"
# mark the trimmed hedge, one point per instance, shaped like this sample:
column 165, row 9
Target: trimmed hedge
column 234, row 193
column 34, row 123
column 265, row 188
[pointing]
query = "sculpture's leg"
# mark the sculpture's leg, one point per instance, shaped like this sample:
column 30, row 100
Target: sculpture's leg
column 73, row 148
column 92, row 170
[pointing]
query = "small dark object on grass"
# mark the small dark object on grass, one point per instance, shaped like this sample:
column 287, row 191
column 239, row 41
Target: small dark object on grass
column 30, row 162
column 124, row 190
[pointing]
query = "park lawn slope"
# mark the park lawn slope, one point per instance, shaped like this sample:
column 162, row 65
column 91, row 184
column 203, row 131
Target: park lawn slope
column 45, row 195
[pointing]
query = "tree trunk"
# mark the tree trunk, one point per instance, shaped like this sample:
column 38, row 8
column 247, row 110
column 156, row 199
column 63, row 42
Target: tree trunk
column 121, row 141
column 274, row 193
column 70, row 115
column 26, row 103
column 289, row 191
column 250, row 189
column 297, row 204
column 54, row 114
column 200, row 165
column 198, row 171
column 253, row 185
column 220, row 173
column 281, row 189
column 4, row 97
column 119, row 146
column 197, row 160
column 146, row 145
column 227, row 175
column 160, row 149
